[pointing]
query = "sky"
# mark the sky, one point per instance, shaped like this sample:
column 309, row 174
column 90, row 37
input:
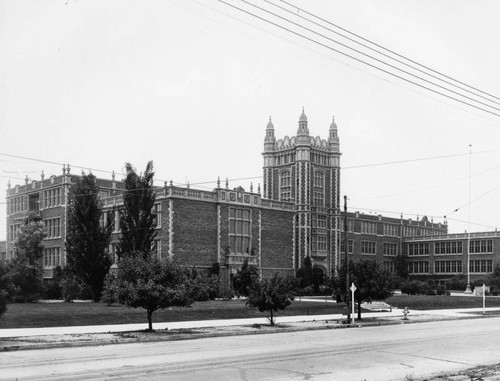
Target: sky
column 191, row 85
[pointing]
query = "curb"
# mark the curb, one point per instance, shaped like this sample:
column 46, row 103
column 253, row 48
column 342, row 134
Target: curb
column 120, row 338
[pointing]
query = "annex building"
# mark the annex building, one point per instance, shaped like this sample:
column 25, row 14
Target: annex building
column 295, row 214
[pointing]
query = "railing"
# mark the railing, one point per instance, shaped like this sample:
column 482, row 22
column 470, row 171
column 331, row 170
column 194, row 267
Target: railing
column 439, row 237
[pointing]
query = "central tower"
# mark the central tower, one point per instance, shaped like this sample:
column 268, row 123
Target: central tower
column 305, row 171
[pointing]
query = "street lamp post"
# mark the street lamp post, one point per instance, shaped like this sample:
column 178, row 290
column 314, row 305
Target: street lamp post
column 347, row 294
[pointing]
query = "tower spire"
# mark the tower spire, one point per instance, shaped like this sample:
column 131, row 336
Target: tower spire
column 270, row 139
column 333, row 137
column 303, row 131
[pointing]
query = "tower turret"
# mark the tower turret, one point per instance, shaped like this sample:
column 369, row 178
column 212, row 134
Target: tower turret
column 333, row 137
column 270, row 139
column 303, row 131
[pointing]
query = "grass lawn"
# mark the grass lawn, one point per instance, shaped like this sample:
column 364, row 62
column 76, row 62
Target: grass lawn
column 29, row 315
column 437, row 302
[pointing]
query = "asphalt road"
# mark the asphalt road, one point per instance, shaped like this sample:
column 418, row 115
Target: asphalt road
column 371, row 353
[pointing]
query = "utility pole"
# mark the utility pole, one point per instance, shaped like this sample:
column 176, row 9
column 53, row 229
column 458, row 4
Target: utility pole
column 347, row 294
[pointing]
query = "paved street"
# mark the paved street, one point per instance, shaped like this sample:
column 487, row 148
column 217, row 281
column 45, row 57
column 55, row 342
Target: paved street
column 371, row 353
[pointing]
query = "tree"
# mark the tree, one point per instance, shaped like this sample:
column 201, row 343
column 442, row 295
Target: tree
column 145, row 281
column 26, row 267
column 5, row 286
column 272, row 294
column 371, row 281
column 137, row 220
column 305, row 273
column 244, row 279
column 87, row 239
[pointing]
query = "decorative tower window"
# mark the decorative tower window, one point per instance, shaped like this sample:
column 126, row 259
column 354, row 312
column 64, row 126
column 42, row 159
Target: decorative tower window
column 319, row 188
column 285, row 186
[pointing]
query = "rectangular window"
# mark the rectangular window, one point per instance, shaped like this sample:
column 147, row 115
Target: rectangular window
column 350, row 226
column 421, row 267
column 52, row 257
column 368, row 247
column 240, row 237
column 481, row 266
column 368, row 228
column 350, row 245
column 390, row 249
column 157, row 215
column 448, row 267
column 481, row 246
column 319, row 221
column 318, row 189
column 52, row 197
column 391, row 230
column 285, row 186
column 53, row 228
column 448, row 247
column 319, row 243
column 415, row 249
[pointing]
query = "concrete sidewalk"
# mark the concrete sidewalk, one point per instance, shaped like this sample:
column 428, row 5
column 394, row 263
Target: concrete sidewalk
column 395, row 313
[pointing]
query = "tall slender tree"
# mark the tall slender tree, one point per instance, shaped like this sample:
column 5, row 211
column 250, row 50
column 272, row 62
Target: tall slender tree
column 88, row 235
column 137, row 219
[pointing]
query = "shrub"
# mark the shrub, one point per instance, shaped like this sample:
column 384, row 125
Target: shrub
column 414, row 287
column 110, row 290
column 458, row 282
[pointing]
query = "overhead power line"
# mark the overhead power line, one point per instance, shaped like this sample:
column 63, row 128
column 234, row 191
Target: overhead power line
column 385, row 49
column 372, row 57
column 374, row 66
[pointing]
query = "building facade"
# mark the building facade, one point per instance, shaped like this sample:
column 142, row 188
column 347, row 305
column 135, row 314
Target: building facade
column 295, row 215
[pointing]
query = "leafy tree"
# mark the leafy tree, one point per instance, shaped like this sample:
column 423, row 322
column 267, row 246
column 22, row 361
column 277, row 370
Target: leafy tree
column 244, row 279
column 272, row 294
column 416, row 287
column 305, row 273
column 26, row 267
column 371, row 281
column 28, row 245
column 151, row 283
column 494, row 280
column 137, row 220
column 110, row 291
column 401, row 266
column 87, row 238
column 5, row 286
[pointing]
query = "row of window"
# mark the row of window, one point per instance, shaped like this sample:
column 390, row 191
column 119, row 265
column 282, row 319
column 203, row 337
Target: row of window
column 370, row 247
column 318, row 187
column 451, row 247
column 51, row 198
column 389, row 230
column 448, row 267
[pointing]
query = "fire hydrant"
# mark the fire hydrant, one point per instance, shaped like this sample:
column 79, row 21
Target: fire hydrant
column 406, row 311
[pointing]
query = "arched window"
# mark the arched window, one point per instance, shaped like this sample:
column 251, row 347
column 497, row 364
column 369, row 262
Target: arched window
column 319, row 188
column 285, row 186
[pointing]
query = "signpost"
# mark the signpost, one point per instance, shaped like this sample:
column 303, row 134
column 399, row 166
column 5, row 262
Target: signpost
column 484, row 298
column 353, row 288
